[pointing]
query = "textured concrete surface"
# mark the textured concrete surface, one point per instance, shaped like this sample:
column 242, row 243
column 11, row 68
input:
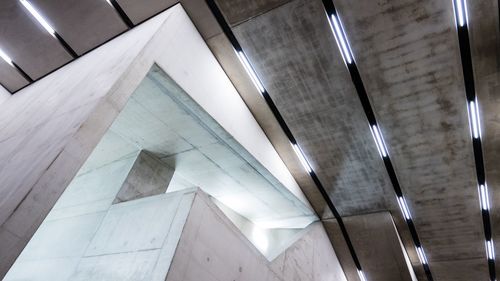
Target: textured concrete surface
column 408, row 56
column 10, row 78
column 373, row 235
column 211, row 249
column 147, row 177
column 83, row 24
column 50, row 128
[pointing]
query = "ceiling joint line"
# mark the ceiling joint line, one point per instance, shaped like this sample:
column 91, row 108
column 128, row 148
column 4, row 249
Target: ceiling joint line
column 272, row 106
column 345, row 50
column 462, row 25
column 123, row 16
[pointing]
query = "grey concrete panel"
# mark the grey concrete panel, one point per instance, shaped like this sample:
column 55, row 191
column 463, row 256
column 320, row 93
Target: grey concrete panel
column 148, row 176
column 237, row 11
column 83, row 24
column 408, row 56
column 10, row 77
column 294, row 52
column 27, row 43
column 139, row 11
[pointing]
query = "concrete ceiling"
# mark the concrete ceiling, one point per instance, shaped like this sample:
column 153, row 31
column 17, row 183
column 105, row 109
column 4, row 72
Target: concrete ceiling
column 407, row 53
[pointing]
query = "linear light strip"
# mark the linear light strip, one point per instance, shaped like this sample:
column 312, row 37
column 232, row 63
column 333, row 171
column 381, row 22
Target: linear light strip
column 6, row 58
column 361, row 275
column 302, row 158
column 461, row 20
column 490, row 249
column 340, row 38
column 473, row 110
column 249, row 69
column 234, row 42
column 484, row 197
column 382, row 149
column 421, row 255
column 345, row 49
column 39, row 17
column 461, row 12
column 404, row 207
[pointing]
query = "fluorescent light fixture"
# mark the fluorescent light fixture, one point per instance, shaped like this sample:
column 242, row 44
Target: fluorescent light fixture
column 379, row 141
column 474, row 119
column 361, row 275
column 404, row 208
column 484, row 197
column 341, row 39
column 461, row 12
column 302, row 158
column 421, row 255
column 38, row 17
column 6, row 58
column 490, row 249
column 250, row 71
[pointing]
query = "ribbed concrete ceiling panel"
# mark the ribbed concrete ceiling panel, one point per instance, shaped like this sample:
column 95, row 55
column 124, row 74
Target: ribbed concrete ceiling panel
column 27, row 43
column 407, row 53
column 10, row 78
column 484, row 31
column 294, row 52
column 139, row 11
column 83, row 24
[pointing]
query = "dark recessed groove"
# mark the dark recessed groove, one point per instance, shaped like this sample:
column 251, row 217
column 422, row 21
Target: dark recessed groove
column 234, row 42
column 470, row 95
column 122, row 13
column 370, row 115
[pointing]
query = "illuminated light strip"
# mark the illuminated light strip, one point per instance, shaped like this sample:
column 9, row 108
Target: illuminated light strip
column 379, row 140
column 302, row 158
column 421, row 255
column 361, row 275
column 474, row 119
column 38, row 17
column 6, row 58
column 484, row 197
column 338, row 32
column 404, row 208
column 461, row 12
column 490, row 249
column 250, row 71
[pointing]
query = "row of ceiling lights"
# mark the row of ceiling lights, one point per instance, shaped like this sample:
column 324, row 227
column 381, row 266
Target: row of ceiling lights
column 345, row 49
column 462, row 23
column 341, row 39
column 46, row 25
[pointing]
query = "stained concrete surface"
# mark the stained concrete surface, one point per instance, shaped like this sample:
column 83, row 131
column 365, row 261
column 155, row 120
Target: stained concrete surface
column 147, row 177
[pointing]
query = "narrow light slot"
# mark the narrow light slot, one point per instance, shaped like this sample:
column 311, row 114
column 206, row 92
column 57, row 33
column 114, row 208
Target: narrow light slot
column 461, row 12
column 421, row 255
column 302, row 158
column 490, row 250
column 484, row 197
column 404, row 208
column 109, row 2
column 341, row 39
column 38, row 17
column 379, row 141
column 361, row 275
column 6, row 58
column 474, row 119
column 250, row 71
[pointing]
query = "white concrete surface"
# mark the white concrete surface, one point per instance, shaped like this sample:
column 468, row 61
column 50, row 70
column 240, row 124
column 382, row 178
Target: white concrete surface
column 49, row 128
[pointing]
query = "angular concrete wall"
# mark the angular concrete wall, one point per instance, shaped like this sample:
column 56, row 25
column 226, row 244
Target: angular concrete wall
column 175, row 236
column 49, row 128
